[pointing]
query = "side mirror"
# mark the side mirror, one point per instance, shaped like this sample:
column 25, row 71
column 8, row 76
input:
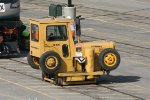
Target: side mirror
column 82, row 18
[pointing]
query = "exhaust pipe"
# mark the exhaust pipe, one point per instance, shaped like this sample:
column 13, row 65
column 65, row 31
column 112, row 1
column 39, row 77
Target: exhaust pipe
column 70, row 10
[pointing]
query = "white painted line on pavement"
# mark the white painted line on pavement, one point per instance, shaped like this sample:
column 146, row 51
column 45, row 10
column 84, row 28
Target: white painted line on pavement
column 17, row 84
column 4, row 95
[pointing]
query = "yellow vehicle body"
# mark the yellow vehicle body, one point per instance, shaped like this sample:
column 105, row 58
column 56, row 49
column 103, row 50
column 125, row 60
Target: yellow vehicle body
column 77, row 62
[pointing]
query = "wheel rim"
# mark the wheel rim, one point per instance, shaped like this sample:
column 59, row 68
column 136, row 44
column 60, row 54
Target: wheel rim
column 51, row 62
column 35, row 61
column 110, row 59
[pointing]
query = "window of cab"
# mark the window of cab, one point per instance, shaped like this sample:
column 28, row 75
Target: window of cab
column 34, row 32
column 56, row 33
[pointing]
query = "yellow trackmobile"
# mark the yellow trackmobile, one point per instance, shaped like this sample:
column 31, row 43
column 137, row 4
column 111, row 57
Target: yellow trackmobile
column 61, row 59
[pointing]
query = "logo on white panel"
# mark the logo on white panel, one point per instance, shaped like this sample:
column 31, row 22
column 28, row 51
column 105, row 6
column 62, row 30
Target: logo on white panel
column 2, row 7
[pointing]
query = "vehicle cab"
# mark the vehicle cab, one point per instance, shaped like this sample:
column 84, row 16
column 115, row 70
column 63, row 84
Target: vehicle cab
column 52, row 34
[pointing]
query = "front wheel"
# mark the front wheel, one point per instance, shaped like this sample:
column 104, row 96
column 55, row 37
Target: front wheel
column 50, row 63
column 109, row 59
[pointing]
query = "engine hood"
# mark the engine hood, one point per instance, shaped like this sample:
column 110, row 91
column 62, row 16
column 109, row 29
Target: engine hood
column 97, row 46
column 103, row 44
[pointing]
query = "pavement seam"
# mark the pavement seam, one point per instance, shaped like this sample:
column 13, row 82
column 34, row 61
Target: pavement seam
column 17, row 84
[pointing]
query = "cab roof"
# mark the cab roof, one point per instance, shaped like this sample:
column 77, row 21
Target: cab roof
column 48, row 20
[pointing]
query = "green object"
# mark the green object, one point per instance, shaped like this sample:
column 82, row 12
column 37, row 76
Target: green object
column 55, row 10
column 25, row 33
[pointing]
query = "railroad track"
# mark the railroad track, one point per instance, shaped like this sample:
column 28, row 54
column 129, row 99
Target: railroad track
column 18, row 70
column 83, row 89
column 87, row 89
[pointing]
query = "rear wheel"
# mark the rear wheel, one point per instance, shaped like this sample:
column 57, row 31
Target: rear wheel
column 109, row 59
column 33, row 61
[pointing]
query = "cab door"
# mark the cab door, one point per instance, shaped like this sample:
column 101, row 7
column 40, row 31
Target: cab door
column 34, row 40
column 57, row 40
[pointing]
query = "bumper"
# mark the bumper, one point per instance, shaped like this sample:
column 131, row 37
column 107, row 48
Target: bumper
column 76, row 74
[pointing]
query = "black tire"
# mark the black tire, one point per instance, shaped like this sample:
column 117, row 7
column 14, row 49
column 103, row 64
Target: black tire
column 97, row 80
column 43, row 76
column 109, row 59
column 31, row 61
column 60, row 81
column 50, row 63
